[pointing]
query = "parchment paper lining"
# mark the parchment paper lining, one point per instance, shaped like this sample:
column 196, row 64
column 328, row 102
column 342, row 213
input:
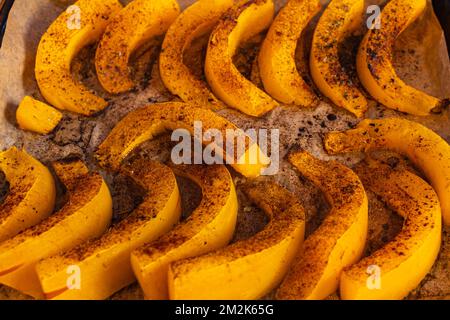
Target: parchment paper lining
column 421, row 59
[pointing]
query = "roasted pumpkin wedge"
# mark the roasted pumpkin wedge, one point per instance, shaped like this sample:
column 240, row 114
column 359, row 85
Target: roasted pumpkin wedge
column 426, row 149
column 245, row 19
column 405, row 261
column 86, row 215
column 37, row 116
column 209, row 227
column 250, row 268
column 104, row 263
column 60, row 44
column 31, row 196
column 148, row 122
column 340, row 239
column 133, row 26
column 277, row 63
column 197, row 20
column 375, row 67
column 340, row 19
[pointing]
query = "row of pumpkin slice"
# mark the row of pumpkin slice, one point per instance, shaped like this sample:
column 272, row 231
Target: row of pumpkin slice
column 192, row 259
column 121, row 30
column 241, row 269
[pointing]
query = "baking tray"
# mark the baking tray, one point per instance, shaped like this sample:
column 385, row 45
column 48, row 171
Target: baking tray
column 299, row 129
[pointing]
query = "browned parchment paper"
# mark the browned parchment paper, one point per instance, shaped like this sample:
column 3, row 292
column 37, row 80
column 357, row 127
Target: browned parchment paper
column 421, row 59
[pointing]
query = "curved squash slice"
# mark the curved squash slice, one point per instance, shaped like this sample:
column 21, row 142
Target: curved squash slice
column 86, row 215
column 60, row 44
column 197, row 20
column 339, row 241
column 406, row 260
column 31, row 195
column 244, row 20
column 427, row 150
column 277, row 64
column 36, row 116
column 209, row 227
column 338, row 21
column 137, row 23
column 105, row 262
column 148, row 122
column 374, row 62
column 251, row 268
